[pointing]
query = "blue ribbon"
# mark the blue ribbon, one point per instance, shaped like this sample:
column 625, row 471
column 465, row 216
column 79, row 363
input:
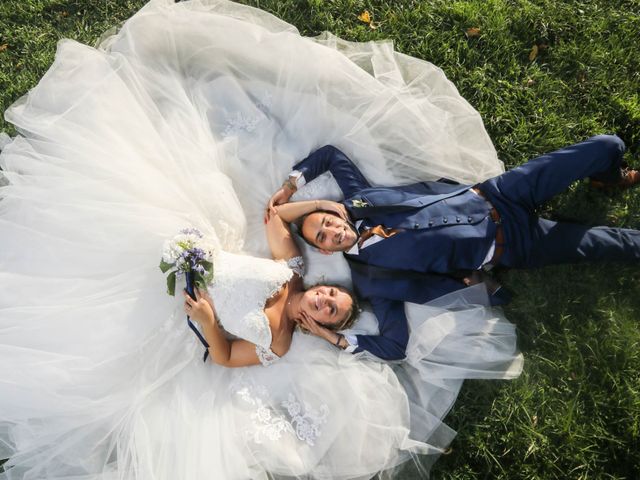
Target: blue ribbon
column 192, row 293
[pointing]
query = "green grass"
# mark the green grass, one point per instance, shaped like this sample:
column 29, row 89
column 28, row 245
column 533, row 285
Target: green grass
column 575, row 411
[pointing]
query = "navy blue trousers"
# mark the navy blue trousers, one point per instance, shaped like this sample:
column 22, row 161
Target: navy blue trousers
column 531, row 241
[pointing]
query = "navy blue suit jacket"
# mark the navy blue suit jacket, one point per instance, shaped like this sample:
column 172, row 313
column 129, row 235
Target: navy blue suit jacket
column 446, row 232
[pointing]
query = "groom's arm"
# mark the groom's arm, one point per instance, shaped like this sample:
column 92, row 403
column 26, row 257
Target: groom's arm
column 329, row 158
column 391, row 343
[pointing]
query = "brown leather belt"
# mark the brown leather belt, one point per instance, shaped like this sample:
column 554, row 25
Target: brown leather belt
column 495, row 216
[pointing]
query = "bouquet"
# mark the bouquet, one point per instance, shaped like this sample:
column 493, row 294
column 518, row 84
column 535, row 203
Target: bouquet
column 190, row 255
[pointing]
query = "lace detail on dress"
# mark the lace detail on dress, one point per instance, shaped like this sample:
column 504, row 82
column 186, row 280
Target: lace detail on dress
column 239, row 122
column 306, row 422
column 296, row 264
column 265, row 103
column 298, row 418
column 267, row 423
column 248, row 122
column 266, row 356
column 256, row 328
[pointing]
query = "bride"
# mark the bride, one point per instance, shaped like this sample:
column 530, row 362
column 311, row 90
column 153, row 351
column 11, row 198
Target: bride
column 189, row 116
column 273, row 302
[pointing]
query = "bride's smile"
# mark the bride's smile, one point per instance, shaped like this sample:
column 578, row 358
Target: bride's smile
column 328, row 305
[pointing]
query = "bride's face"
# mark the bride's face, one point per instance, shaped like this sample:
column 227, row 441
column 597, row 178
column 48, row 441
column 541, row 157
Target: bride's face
column 326, row 304
column 329, row 232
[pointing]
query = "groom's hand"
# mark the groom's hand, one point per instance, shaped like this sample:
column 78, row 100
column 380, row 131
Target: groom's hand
column 315, row 328
column 478, row 276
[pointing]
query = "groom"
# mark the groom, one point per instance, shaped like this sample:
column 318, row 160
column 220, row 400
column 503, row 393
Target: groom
column 418, row 242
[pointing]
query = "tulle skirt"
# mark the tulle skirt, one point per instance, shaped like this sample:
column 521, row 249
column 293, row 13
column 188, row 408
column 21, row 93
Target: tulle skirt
column 191, row 115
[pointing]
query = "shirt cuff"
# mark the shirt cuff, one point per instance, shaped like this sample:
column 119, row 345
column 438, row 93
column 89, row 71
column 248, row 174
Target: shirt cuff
column 298, row 177
column 352, row 340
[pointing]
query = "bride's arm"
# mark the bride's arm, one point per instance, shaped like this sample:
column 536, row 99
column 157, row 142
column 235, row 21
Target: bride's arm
column 225, row 352
column 281, row 243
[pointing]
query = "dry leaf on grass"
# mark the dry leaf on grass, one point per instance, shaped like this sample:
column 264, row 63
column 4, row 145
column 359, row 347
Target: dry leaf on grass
column 365, row 17
column 3, row 47
column 472, row 32
column 533, row 53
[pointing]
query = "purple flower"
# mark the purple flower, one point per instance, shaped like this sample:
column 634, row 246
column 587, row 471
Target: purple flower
column 199, row 268
column 192, row 231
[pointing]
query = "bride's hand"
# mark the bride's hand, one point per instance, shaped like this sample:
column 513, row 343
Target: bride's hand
column 338, row 208
column 281, row 196
column 205, row 295
column 201, row 309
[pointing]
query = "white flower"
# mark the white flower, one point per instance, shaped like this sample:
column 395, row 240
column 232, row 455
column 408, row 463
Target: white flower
column 169, row 252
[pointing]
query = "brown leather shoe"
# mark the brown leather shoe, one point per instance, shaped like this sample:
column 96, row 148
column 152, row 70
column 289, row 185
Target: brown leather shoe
column 629, row 178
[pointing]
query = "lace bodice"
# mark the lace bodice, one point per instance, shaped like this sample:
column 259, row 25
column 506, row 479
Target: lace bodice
column 242, row 284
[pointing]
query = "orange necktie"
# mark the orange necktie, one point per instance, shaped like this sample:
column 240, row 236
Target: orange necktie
column 378, row 230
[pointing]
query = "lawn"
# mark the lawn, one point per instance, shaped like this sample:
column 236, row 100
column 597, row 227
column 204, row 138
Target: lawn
column 543, row 74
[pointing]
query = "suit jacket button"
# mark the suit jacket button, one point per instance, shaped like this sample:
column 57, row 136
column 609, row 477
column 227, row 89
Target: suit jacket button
column 445, row 220
column 470, row 219
column 416, row 225
column 458, row 219
column 431, row 223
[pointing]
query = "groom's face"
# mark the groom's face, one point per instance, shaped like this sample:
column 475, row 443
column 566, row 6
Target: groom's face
column 328, row 232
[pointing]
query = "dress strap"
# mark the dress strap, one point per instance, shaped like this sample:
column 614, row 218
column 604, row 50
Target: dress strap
column 297, row 265
column 266, row 356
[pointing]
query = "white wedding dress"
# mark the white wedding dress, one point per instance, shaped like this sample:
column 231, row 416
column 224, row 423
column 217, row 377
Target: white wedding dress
column 190, row 116
column 241, row 287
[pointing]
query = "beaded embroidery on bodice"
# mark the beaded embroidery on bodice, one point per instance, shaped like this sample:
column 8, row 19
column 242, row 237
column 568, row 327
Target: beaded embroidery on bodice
column 241, row 286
